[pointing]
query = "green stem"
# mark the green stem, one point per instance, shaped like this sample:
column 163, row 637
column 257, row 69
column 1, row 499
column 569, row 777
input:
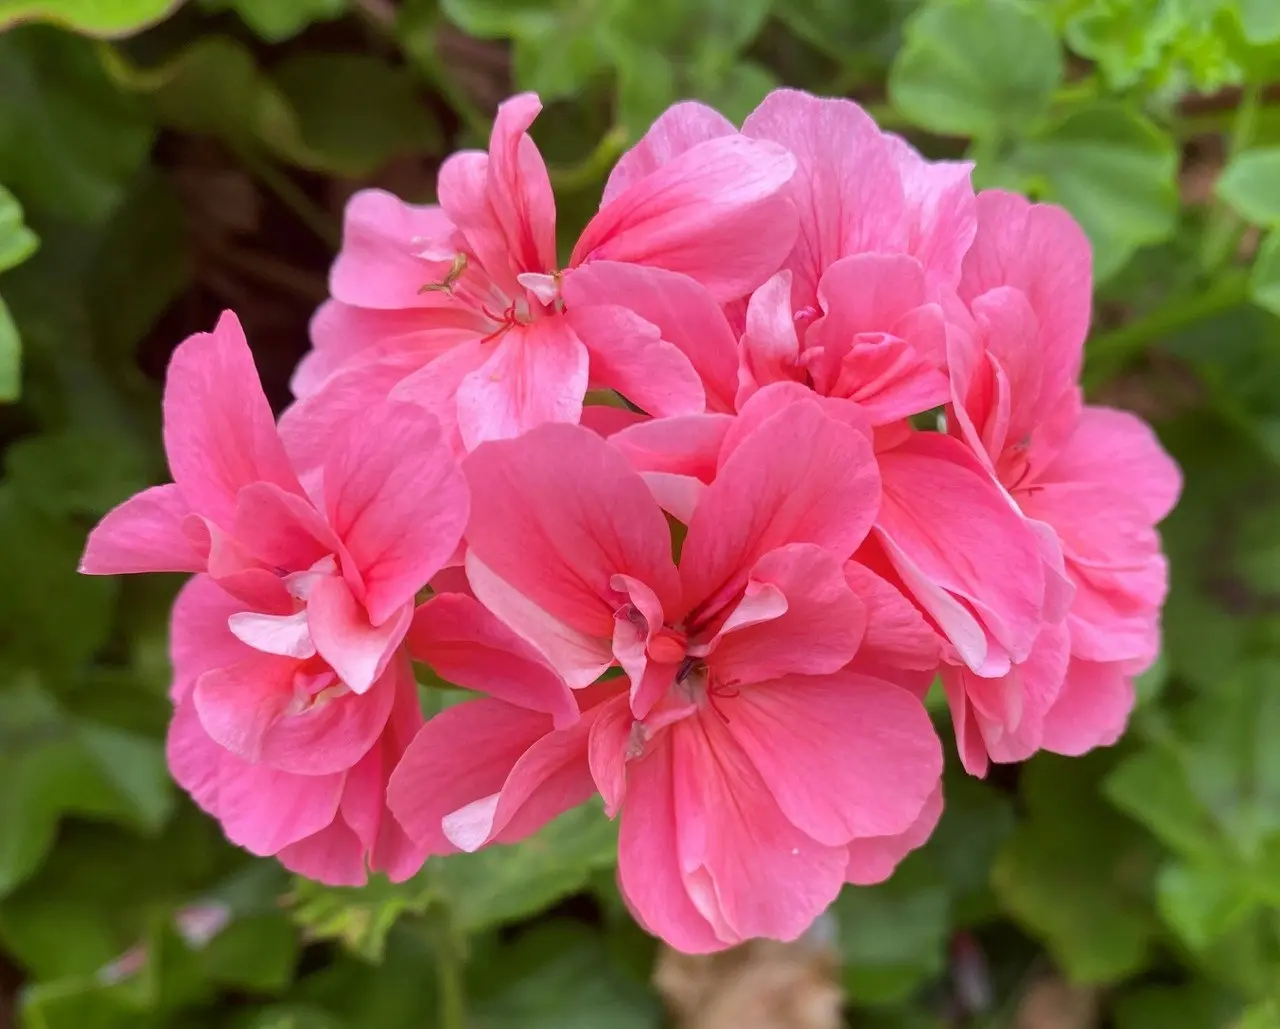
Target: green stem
column 1225, row 228
column 288, row 193
column 592, row 168
column 453, row 1005
column 1109, row 353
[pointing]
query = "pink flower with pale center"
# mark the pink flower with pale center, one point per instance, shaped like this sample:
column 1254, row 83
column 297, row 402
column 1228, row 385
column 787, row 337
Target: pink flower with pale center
column 1092, row 481
column 460, row 306
column 294, row 698
column 756, row 765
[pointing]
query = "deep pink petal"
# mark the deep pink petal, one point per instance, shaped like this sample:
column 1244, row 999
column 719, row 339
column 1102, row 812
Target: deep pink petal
column 770, row 345
column 238, row 704
column 679, row 128
column 955, row 538
column 779, row 396
column 873, row 859
column 897, row 636
column 628, row 354
column 468, row 646
column 281, row 529
column 1118, row 450
column 688, row 446
column 556, row 514
column 818, row 631
column 536, row 373
column 219, row 433
column 846, row 186
column 578, row 657
column 344, row 637
column 685, row 313
column 610, row 746
column 462, row 755
column 800, row 477
column 378, row 265
column 194, row 759
column 519, row 187
column 397, row 500
column 715, row 212
column 199, row 638
column 844, row 755
column 144, row 534
column 1042, row 251
column 334, row 856
column 748, row 869
column 940, row 211
column 1092, row 708
column 264, row 810
column 649, row 873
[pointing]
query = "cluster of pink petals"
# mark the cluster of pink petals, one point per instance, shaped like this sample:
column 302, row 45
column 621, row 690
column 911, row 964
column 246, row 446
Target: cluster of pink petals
column 853, row 460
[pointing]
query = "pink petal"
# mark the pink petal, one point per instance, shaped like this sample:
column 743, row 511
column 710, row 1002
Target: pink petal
column 954, row 537
column 609, row 748
column 844, row 755
column 1040, row 250
column 801, row 477
column 846, row 186
column 396, row 499
column 239, row 703
column 435, row 387
column 309, row 426
column 281, row 529
column 355, row 649
column 748, row 869
column 629, row 355
column 579, row 658
column 940, row 211
column 687, row 446
column 817, row 632
column 194, row 760
column 468, row 646
column 770, row 345
column 218, row 430
column 343, row 335
column 264, row 810
column 462, row 755
column 556, row 514
column 679, row 128
column 715, row 212
column 283, row 635
column 1091, row 710
column 685, row 313
column 519, row 187
column 896, row 635
column 649, row 873
column 780, row 396
column 334, row 856
column 378, row 266
column 1118, row 450
column 873, row 859
column 144, row 534
column 199, row 637
column 537, row 373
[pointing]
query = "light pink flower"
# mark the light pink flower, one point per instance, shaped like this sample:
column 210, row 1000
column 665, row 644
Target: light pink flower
column 463, row 302
column 757, row 766
column 293, row 696
column 1091, row 481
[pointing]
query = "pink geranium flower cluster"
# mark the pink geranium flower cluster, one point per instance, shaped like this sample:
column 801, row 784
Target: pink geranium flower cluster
column 853, row 460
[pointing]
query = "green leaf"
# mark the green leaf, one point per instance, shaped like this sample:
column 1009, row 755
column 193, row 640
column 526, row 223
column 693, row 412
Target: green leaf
column 17, row 242
column 1260, row 20
column 69, row 142
column 10, row 357
column 1264, row 280
column 75, row 472
column 981, row 68
column 1115, row 171
column 257, row 953
column 88, row 17
column 1151, row 786
column 852, row 33
column 1076, row 874
column 502, row 884
column 893, row 936
column 1203, row 902
column 1261, row 1016
column 53, row 765
column 356, row 112
column 1195, row 1006
column 1250, row 183
column 278, row 20
column 558, row 976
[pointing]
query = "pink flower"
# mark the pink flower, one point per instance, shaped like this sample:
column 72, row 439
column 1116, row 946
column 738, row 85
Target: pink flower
column 294, row 698
column 757, row 767
column 461, row 304
column 1093, row 482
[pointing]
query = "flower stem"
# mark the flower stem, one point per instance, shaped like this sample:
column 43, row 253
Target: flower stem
column 449, row 965
column 1109, row 353
column 288, row 193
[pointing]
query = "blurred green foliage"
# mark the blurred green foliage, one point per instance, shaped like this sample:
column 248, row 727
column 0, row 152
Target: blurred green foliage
column 160, row 161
